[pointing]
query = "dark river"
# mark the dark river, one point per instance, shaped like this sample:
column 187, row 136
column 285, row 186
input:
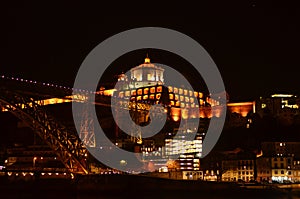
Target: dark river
column 132, row 190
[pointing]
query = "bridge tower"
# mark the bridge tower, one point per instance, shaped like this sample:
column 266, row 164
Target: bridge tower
column 87, row 131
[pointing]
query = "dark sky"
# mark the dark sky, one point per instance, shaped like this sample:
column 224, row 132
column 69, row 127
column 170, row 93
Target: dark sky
column 255, row 45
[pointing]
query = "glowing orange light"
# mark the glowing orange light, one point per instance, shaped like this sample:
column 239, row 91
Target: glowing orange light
column 200, row 95
column 152, row 90
column 109, row 92
column 242, row 108
column 175, row 114
column 185, row 114
column 159, row 89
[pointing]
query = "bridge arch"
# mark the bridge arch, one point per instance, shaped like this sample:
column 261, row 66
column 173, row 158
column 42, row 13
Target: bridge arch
column 65, row 143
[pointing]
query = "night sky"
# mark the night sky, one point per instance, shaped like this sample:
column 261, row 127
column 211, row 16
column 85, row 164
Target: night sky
column 255, row 45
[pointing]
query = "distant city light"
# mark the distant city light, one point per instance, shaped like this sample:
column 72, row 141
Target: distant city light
column 282, row 95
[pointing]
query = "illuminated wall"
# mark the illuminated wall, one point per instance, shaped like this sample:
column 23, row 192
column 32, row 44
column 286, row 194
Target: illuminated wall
column 234, row 170
column 242, row 108
column 184, row 103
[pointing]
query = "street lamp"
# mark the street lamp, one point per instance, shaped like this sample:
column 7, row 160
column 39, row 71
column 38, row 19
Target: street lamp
column 34, row 159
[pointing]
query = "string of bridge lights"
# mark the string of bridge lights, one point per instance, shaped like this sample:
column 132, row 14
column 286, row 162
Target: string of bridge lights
column 5, row 77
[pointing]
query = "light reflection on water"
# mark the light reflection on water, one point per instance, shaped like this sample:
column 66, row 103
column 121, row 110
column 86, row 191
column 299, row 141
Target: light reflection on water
column 162, row 195
column 178, row 197
column 131, row 188
column 133, row 194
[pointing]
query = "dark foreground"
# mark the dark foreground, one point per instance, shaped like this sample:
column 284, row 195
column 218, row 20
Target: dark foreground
column 118, row 186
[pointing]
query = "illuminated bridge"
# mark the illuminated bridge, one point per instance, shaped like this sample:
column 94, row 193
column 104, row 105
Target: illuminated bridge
column 26, row 98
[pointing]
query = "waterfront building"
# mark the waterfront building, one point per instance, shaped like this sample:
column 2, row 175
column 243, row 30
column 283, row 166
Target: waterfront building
column 296, row 170
column 238, row 170
column 238, row 165
column 281, row 168
column 25, row 162
column 263, row 169
column 279, row 162
column 230, row 170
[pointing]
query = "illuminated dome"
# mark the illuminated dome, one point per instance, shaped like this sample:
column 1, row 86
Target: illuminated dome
column 147, row 74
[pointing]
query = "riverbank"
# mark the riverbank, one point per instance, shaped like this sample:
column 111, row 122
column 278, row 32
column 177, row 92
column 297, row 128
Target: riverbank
column 128, row 186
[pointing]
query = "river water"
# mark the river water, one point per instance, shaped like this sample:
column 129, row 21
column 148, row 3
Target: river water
column 66, row 190
column 67, row 193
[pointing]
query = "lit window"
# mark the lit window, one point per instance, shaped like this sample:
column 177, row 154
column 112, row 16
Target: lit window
column 121, row 94
column 133, row 93
column 175, row 90
column 192, row 100
column 195, row 94
column 152, row 90
column 127, row 93
column 185, row 92
column 150, row 77
column 159, row 89
column 139, row 91
column 171, row 96
column 146, row 90
column 180, row 91
column 200, row 95
column 181, row 98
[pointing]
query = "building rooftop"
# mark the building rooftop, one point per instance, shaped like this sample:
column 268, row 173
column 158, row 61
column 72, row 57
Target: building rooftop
column 147, row 64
